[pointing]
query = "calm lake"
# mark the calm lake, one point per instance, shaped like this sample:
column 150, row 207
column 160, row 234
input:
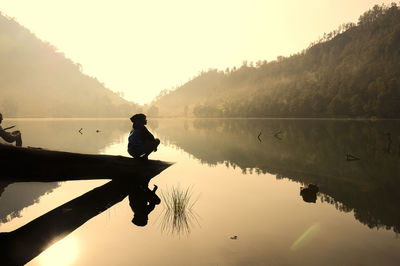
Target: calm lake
column 244, row 177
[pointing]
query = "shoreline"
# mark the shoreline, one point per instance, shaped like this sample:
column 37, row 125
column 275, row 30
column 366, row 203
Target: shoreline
column 193, row 118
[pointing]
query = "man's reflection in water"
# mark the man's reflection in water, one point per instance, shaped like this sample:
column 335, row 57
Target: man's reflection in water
column 142, row 201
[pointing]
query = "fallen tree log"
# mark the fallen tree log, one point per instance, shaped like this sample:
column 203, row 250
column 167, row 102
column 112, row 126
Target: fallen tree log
column 35, row 164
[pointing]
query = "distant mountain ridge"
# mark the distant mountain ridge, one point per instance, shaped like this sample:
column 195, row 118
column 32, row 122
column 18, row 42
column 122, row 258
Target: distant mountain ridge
column 38, row 81
column 351, row 72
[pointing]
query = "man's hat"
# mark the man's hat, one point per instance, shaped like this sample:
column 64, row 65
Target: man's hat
column 137, row 117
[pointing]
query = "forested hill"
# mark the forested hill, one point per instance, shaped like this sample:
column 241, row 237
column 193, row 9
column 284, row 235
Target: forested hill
column 351, row 72
column 38, row 81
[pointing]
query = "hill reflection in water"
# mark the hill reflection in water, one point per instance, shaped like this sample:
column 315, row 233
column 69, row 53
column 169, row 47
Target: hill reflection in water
column 306, row 151
column 56, row 134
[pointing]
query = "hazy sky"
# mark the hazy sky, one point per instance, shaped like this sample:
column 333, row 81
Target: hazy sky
column 143, row 47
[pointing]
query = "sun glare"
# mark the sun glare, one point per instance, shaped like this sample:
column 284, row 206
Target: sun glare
column 62, row 253
column 306, row 237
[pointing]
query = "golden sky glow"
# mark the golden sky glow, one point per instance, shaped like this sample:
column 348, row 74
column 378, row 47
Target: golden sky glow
column 143, row 47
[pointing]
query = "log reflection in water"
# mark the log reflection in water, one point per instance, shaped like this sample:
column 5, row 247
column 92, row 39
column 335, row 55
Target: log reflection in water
column 25, row 243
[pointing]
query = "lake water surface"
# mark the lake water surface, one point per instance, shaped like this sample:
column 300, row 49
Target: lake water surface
column 244, row 176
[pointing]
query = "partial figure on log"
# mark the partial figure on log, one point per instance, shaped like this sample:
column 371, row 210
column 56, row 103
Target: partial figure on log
column 140, row 141
column 14, row 136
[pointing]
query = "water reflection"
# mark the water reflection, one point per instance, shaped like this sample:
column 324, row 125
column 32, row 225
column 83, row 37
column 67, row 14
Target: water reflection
column 14, row 197
column 309, row 193
column 25, row 243
column 142, row 201
column 63, row 134
column 56, row 134
column 178, row 215
column 309, row 152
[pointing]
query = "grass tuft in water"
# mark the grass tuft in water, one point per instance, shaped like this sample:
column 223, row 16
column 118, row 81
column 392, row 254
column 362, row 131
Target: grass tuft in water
column 179, row 215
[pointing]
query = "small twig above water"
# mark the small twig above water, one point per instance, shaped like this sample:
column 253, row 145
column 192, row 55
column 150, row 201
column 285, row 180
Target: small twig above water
column 350, row 157
column 278, row 135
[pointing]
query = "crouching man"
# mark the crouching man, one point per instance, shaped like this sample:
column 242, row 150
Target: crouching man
column 140, row 141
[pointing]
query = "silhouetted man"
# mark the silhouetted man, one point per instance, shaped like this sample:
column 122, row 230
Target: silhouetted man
column 10, row 137
column 141, row 141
